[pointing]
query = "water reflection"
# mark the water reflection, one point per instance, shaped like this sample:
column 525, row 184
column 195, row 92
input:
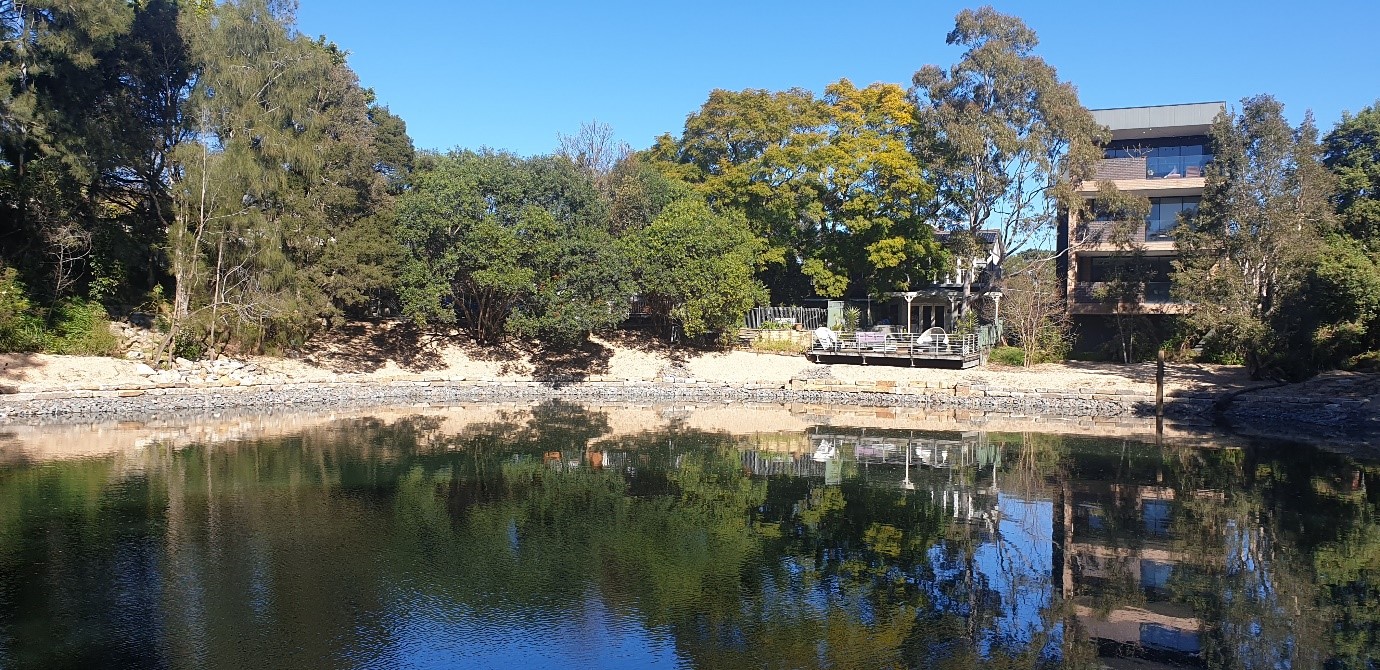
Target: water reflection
column 563, row 537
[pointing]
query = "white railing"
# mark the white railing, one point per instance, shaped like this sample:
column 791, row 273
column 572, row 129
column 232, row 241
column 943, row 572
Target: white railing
column 897, row 344
column 785, row 317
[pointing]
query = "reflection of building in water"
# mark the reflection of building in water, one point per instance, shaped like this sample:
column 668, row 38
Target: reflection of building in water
column 947, row 465
column 1117, row 565
column 1105, row 543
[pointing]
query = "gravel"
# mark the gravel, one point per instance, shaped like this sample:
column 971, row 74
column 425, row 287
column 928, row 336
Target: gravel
column 363, row 395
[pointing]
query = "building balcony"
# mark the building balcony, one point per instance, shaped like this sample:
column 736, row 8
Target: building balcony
column 1154, row 167
column 1143, row 293
column 1181, row 175
column 1123, row 233
column 1151, row 297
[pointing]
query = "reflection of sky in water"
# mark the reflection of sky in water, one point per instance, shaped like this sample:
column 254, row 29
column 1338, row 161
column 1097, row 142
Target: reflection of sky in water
column 422, row 561
column 427, row 632
column 1017, row 564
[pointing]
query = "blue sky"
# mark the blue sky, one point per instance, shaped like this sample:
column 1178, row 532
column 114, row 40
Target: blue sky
column 511, row 75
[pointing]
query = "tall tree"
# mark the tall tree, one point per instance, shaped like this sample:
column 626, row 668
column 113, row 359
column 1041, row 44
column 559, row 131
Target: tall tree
column 744, row 151
column 1245, row 257
column 830, row 185
column 1346, row 281
column 874, row 234
column 82, row 115
column 1005, row 140
column 1352, row 152
column 505, row 245
column 280, row 200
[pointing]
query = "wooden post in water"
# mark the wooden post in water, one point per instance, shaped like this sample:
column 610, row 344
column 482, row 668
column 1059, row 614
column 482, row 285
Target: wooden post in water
column 1159, row 384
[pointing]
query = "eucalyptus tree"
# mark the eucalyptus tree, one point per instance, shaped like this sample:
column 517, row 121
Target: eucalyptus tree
column 1004, row 140
column 1245, row 258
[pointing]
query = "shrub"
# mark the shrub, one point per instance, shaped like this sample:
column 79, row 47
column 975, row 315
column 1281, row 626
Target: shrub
column 82, row 328
column 1367, row 362
column 20, row 328
column 851, row 317
column 73, row 326
column 1008, row 356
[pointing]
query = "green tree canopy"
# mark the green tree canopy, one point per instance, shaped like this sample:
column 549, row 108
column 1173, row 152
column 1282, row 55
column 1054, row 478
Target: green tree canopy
column 1352, row 152
column 510, row 245
column 1004, row 139
column 695, row 268
column 830, row 185
column 1245, row 257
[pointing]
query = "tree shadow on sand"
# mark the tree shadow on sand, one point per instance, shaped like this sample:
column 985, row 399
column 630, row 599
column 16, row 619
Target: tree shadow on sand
column 366, row 347
column 570, row 363
column 1188, row 375
column 14, row 368
column 363, row 347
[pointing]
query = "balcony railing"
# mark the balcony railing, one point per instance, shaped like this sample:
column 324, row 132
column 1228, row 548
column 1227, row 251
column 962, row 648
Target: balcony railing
column 1156, row 167
column 1112, row 232
column 1145, row 293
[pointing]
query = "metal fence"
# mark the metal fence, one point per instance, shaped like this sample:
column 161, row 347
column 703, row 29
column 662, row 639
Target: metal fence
column 808, row 317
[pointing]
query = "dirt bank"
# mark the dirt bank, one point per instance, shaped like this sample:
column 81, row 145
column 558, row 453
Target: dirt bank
column 363, row 364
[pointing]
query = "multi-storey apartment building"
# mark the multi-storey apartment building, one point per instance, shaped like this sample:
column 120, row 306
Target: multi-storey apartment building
column 1114, row 269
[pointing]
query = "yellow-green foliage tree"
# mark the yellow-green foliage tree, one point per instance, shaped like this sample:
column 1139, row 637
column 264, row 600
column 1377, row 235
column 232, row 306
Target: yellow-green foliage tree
column 829, row 185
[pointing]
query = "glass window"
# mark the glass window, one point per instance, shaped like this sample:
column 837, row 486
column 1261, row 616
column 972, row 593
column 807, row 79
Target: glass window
column 1164, row 215
column 1165, row 157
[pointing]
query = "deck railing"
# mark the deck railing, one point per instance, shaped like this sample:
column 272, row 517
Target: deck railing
column 900, row 344
column 807, row 317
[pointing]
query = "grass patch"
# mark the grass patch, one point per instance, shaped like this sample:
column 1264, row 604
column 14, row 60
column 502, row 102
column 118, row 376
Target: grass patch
column 80, row 328
column 1008, row 356
column 779, row 346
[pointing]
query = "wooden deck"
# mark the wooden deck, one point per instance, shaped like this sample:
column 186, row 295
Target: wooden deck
column 944, row 351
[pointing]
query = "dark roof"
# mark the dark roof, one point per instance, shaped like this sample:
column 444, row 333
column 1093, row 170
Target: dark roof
column 989, row 236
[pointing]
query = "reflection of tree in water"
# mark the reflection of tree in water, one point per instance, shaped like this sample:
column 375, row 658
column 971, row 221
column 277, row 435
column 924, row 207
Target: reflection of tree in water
column 1286, row 555
column 671, row 530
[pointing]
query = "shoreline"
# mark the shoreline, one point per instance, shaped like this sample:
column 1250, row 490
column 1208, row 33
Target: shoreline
column 354, row 370
column 1286, row 416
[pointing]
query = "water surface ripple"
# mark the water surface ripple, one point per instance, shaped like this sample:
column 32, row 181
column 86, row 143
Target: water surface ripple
column 561, row 536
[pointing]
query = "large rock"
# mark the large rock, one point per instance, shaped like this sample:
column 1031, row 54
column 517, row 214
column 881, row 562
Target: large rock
column 144, row 369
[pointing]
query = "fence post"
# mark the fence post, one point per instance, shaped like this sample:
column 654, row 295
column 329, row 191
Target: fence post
column 1159, row 384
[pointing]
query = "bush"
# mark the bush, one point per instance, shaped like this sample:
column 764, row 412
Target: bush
column 1367, row 362
column 73, row 326
column 20, row 328
column 80, row 328
column 1008, row 356
column 851, row 317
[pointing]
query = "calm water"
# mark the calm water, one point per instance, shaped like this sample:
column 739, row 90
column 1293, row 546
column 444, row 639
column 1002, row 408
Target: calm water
column 546, row 539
